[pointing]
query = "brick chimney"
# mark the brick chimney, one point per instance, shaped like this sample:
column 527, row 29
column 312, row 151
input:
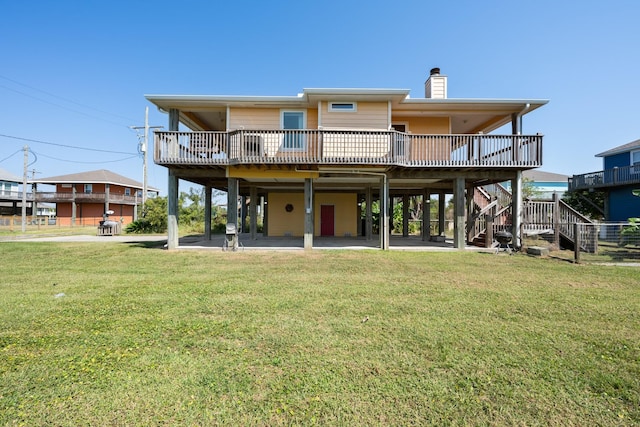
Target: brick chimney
column 436, row 85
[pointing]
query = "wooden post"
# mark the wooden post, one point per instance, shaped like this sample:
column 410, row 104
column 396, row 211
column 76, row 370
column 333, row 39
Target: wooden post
column 441, row 217
column 253, row 212
column 556, row 220
column 384, row 214
column 265, row 214
column 172, row 208
column 488, row 240
column 74, row 206
column 576, row 242
column 426, row 216
column 405, row 215
column 458, row 213
column 172, row 191
column 516, row 209
column 207, row 212
column 308, row 214
column 368, row 214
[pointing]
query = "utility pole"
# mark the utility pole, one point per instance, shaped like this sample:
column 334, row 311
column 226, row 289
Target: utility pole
column 144, row 148
column 24, row 188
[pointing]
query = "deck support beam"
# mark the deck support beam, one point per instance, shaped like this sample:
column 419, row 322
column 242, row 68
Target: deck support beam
column 385, row 230
column 207, row 212
column 172, row 208
column 368, row 214
column 426, row 216
column 172, row 190
column 405, row 215
column 516, row 209
column 253, row 212
column 232, row 202
column 458, row 213
column 308, row 214
column 441, row 216
column 74, row 206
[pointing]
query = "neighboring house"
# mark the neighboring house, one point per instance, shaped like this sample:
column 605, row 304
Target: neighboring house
column 319, row 160
column 543, row 185
column 85, row 198
column 10, row 193
column 621, row 175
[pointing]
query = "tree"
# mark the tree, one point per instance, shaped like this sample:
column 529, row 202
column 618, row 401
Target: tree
column 588, row 203
column 153, row 218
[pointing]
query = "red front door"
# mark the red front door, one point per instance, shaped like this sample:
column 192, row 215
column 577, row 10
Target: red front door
column 327, row 220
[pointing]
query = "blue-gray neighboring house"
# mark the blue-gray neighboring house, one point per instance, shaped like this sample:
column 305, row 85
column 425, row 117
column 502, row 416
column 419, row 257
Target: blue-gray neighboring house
column 621, row 175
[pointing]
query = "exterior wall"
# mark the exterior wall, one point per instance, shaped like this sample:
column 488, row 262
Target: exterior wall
column 283, row 223
column 426, row 125
column 265, row 118
column 254, row 118
column 617, row 160
column 623, row 204
column 369, row 115
column 8, row 188
column 345, row 212
column 95, row 188
column 92, row 213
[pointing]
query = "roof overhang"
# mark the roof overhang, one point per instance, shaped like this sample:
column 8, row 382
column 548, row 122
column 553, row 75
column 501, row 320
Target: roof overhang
column 203, row 112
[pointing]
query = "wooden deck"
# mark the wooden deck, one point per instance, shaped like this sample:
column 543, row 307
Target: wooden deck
column 346, row 147
column 608, row 178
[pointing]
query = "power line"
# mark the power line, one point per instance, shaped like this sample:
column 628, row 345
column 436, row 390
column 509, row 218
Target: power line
column 96, row 162
column 59, row 97
column 7, row 158
column 62, row 106
column 66, row 146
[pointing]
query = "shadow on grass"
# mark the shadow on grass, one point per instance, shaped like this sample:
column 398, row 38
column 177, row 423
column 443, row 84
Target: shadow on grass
column 159, row 244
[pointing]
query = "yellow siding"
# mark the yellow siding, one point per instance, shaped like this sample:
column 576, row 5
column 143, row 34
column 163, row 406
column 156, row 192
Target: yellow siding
column 312, row 118
column 283, row 223
column 345, row 212
column 425, row 125
column 264, row 118
column 254, row 118
column 369, row 115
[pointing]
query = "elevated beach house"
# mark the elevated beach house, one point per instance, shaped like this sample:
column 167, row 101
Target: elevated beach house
column 86, row 198
column 619, row 177
column 320, row 159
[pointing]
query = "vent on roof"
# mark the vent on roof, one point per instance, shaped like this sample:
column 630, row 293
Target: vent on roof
column 436, row 85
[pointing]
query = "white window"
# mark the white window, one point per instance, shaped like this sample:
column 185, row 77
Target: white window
column 293, row 120
column 343, row 107
column 88, row 188
column 635, row 161
column 127, row 191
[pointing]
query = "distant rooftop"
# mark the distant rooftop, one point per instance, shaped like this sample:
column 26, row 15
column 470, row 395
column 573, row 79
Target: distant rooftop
column 101, row 176
column 9, row 177
column 621, row 149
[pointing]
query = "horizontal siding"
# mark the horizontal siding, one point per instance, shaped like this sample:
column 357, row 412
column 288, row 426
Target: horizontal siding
column 425, row 125
column 370, row 115
column 264, row 118
column 254, row 118
column 281, row 222
column 346, row 212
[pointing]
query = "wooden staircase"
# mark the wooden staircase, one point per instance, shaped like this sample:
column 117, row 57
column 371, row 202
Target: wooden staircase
column 553, row 220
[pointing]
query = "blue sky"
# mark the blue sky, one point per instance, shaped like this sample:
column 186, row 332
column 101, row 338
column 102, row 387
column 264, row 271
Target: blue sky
column 75, row 73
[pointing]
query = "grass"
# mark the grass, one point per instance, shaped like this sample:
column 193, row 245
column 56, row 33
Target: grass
column 150, row 337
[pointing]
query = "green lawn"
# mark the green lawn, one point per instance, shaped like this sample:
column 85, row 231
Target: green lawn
column 116, row 334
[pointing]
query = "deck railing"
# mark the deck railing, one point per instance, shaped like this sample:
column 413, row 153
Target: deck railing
column 606, row 178
column 57, row 197
column 346, row 147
